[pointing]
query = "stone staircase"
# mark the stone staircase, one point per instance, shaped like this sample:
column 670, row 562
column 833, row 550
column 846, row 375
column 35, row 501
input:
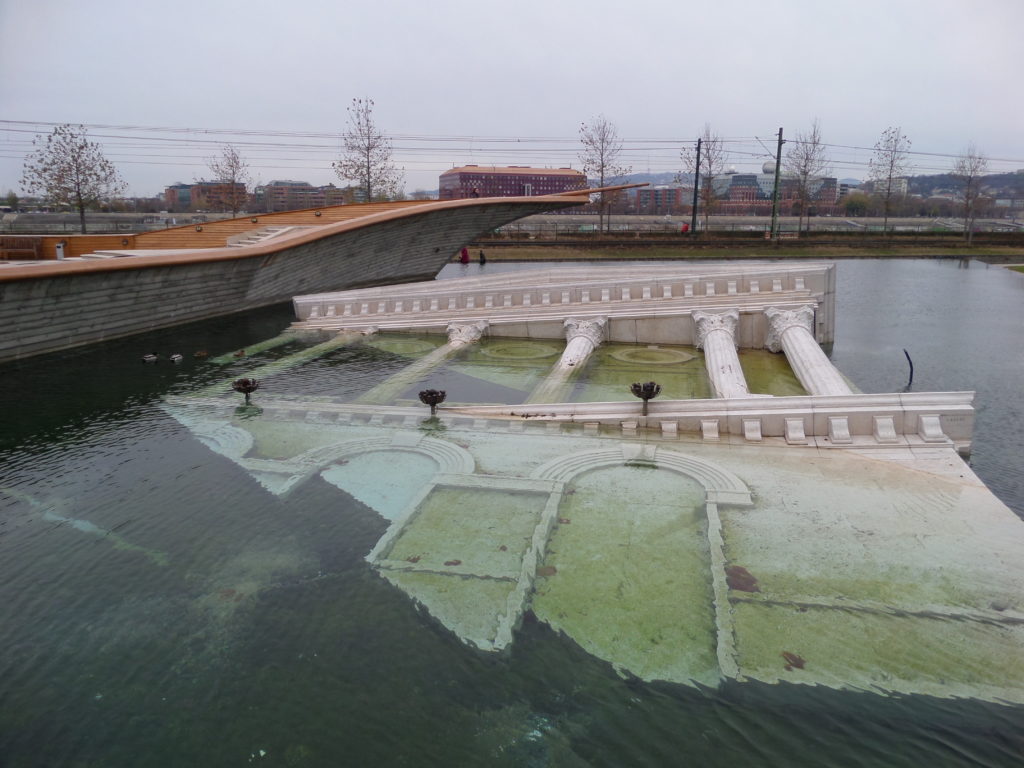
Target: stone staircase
column 257, row 236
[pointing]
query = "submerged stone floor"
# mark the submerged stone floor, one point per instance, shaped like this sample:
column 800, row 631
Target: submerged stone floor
column 880, row 568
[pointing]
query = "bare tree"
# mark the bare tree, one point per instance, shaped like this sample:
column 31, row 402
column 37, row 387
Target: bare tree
column 806, row 161
column 70, row 170
column 708, row 166
column 366, row 155
column 600, row 158
column 889, row 163
column 232, row 172
column 970, row 167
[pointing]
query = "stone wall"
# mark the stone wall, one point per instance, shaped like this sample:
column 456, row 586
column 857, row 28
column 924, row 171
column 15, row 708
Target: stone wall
column 57, row 305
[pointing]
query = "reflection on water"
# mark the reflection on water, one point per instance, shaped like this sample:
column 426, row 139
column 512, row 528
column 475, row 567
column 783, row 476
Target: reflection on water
column 158, row 607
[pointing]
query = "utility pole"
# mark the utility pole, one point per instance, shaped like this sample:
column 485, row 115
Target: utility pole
column 775, row 191
column 696, row 186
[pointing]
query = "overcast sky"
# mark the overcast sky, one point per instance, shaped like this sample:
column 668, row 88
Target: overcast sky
column 459, row 82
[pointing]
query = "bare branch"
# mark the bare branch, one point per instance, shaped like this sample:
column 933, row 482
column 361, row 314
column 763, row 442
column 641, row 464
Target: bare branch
column 366, row 155
column 232, row 172
column 711, row 166
column 889, row 163
column 600, row 156
column 68, row 169
column 806, row 161
column 970, row 167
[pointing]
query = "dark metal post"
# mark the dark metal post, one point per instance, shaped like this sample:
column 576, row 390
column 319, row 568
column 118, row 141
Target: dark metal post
column 775, row 191
column 696, row 187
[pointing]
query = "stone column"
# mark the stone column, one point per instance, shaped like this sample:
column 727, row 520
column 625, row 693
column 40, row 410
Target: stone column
column 582, row 337
column 792, row 331
column 716, row 335
column 459, row 336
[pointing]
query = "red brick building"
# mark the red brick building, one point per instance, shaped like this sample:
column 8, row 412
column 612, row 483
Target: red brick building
column 508, row 181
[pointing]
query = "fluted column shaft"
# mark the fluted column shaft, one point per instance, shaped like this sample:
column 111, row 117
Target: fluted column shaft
column 716, row 335
column 459, row 335
column 792, row 331
column 582, row 337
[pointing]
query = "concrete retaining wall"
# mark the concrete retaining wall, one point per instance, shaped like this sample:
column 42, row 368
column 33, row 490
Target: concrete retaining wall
column 57, row 305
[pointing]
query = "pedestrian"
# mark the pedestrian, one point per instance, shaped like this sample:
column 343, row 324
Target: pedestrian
column 483, row 259
column 464, row 259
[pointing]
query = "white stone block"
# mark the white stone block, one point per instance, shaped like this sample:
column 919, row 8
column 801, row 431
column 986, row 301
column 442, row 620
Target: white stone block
column 795, row 434
column 666, row 292
column 488, row 302
column 730, row 287
column 885, row 429
column 709, row 289
column 527, row 300
column 798, row 284
column 625, row 294
column 416, row 305
column 646, row 292
column 776, row 285
column 434, row 305
column 565, row 297
column 506, row 301
column 399, row 306
column 629, row 427
column 453, row 303
column 332, row 310
column 687, row 290
column 755, row 286
column 545, row 298
column 839, row 430
column 930, row 429
column 670, row 428
column 347, row 310
column 606, row 294
column 709, row 429
column 752, row 430
column 584, row 297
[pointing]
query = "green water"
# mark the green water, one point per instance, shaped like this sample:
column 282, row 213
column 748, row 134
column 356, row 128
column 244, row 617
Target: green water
column 260, row 635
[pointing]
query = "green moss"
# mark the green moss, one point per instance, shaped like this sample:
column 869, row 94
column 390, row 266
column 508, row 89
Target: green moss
column 854, row 648
column 630, row 579
column 471, row 525
column 769, row 374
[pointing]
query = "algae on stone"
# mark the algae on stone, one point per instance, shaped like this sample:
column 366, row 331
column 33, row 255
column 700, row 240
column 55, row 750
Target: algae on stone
column 627, row 574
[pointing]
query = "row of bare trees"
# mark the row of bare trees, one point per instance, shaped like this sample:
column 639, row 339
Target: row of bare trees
column 805, row 161
column 69, row 169
column 66, row 168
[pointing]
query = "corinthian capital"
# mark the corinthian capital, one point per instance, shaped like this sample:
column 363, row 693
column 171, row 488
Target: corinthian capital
column 591, row 328
column 706, row 322
column 781, row 320
column 461, row 334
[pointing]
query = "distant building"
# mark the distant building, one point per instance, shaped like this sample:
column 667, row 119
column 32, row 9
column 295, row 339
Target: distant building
column 508, row 181
column 205, row 195
column 751, row 193
column 663, row 200
column 284, row 195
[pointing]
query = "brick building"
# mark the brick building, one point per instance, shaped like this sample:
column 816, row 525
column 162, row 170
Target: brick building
column 508, row 181
column 284, row 195
column 206, row 195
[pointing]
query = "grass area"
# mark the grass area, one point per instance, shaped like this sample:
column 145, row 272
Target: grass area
column 1017, row 267
column 626, row 253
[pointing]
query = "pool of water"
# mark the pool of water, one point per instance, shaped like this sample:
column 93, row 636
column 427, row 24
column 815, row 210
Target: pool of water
column 159, row 608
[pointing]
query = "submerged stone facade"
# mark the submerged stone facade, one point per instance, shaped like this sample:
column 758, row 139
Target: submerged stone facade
column 832, row 539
